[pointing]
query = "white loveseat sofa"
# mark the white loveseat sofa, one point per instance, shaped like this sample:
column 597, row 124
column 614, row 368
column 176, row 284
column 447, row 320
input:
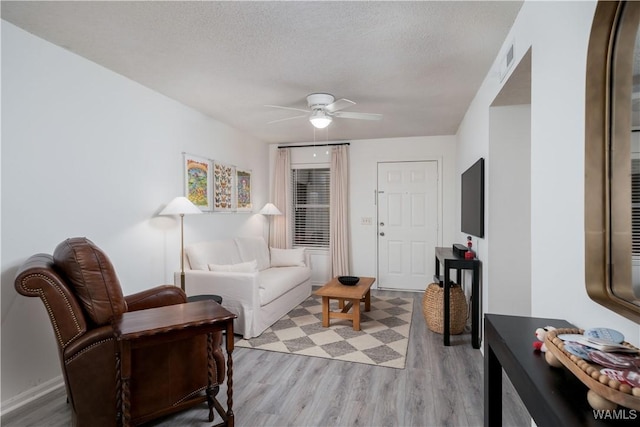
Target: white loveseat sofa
column 257, row 284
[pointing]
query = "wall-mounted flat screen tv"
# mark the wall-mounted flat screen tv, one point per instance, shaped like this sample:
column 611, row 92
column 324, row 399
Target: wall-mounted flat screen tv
column 473, row 199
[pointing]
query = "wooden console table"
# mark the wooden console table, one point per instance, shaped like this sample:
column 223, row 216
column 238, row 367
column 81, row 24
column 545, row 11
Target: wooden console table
column 553, row 396
column 174, row 322
column 452, row 261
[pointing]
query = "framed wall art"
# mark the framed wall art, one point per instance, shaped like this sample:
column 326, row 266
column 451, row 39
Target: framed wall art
column 198, row 181
column 243, row 191
column 224, row 187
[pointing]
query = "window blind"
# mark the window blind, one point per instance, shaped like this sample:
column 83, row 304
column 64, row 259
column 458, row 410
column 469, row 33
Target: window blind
column 310, row 223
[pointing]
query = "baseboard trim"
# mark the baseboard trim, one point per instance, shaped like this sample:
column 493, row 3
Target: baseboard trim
column 30, row 395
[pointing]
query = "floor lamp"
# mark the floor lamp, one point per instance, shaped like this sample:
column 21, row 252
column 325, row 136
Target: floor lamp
column 181, row 206
column 269, row 210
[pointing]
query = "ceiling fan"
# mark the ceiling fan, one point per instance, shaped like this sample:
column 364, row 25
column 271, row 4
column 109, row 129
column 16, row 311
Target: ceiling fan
column 323, row 108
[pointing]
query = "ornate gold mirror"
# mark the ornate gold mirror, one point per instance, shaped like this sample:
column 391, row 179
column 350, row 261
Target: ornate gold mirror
column 612, row 159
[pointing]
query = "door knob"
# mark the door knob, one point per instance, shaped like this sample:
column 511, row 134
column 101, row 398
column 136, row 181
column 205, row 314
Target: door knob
column 382, row 233
column 382, row 224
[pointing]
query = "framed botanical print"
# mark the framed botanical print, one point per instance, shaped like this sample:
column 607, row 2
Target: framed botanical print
column 198, row 181
column 224, row 191
column 243, row 191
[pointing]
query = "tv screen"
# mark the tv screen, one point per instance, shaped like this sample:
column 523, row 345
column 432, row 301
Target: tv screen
column 473, row 199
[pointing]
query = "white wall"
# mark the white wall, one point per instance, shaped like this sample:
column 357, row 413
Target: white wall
column 364, row 156
column 558, row 34
column 509, row 205
column 87, row 152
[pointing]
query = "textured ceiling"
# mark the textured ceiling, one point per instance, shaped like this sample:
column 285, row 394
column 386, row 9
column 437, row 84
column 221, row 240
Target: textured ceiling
column 417, row 63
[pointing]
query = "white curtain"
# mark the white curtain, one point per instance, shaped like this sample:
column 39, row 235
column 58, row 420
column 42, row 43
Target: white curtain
column 339, row 211
column 281, row 224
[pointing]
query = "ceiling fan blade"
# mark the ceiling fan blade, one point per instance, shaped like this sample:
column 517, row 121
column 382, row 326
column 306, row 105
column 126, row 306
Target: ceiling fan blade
column 287, row 118
column 287, row 108
column 361, row 116
column 340, row 104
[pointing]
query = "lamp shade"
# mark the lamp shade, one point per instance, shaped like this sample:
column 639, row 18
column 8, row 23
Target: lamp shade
column 180, row 206
column 270, row 209
column 319, row 119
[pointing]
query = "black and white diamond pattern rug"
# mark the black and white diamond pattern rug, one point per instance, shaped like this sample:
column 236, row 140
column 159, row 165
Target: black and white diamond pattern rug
column 382, row 340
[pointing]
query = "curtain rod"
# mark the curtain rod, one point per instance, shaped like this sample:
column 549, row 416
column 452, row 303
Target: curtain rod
column 314, row 145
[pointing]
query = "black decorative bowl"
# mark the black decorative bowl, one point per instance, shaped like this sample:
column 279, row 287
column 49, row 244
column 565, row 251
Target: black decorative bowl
column 348, row 280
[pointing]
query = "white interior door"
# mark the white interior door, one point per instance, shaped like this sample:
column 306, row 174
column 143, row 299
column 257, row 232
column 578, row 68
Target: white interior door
column 408, row 206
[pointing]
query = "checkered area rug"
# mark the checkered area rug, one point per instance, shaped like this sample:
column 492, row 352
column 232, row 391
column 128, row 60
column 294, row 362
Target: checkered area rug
column 382, row 340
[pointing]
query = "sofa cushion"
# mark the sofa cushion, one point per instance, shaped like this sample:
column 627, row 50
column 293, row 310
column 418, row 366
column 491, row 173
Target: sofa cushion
column 243, row 267
column 251, row 248
column 274, row 282
column 221, row 252
column 287, row 257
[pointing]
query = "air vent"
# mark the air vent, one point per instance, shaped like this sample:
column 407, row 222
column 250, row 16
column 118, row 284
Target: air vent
column 507, row 61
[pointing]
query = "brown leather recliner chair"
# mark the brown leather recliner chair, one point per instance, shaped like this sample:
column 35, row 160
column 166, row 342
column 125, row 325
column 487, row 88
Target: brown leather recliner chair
column 81, row 293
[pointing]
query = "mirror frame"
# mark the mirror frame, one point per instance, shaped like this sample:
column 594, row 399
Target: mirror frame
column 608, row 157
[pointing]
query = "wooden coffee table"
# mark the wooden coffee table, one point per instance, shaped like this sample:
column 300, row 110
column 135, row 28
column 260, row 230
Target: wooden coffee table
column 353, row 294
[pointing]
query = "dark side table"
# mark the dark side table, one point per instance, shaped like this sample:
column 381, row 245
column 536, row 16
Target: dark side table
column 450, row 260
column 553, row 396
column 216, row 298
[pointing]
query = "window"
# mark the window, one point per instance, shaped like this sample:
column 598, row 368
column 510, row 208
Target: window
column 310, row 189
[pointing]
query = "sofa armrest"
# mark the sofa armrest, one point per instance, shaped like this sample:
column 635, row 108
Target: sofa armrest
column 307, row 257
column 155, row 297
column 241, row 287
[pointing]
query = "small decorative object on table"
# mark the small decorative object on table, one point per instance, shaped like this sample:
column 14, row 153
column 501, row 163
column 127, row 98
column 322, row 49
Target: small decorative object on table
column 348, row 280
column 469, row 254
column 604, row 392
column 541, row 334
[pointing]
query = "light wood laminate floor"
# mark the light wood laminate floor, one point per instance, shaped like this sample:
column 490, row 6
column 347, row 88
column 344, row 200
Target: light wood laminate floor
column 440, row 386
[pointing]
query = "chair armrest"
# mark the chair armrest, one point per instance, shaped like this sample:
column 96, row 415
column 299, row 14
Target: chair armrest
column 38, row 278
column 101, row 336
column 155, row 297
column 90, row 375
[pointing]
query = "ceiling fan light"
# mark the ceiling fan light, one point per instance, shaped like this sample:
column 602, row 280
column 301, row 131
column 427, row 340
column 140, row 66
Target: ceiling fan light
column 320, row 120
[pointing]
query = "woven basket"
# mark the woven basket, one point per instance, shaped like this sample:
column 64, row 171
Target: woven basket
column 433, row 308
